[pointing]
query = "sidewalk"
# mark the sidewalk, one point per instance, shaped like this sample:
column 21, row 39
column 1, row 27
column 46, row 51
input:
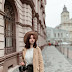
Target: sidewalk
column 54, row 61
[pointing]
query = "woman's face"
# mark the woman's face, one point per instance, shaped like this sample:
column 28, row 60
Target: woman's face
column 31, row 40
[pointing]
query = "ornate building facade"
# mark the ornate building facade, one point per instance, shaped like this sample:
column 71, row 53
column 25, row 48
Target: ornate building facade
column 66, row 22
column 57, row 35
column 16, row 18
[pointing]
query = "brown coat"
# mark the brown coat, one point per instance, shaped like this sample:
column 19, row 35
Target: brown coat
column 38, row 65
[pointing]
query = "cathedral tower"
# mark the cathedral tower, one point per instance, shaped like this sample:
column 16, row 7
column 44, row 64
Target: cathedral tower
column 64, row 15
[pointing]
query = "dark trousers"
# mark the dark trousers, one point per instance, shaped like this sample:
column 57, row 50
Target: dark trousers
column 29, row 68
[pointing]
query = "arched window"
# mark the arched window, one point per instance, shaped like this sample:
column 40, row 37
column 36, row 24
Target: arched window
column 10, row 45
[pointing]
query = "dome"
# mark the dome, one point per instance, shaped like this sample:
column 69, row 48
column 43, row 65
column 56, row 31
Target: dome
column 65, row 9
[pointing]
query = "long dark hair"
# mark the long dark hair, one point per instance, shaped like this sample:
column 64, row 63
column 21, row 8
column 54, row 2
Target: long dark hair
column 28, row 43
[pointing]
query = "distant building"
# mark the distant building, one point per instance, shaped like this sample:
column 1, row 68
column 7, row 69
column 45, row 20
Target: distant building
column 66, row 22
column 57, row 35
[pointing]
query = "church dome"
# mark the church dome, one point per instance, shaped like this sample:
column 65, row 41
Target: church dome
column 65, row 9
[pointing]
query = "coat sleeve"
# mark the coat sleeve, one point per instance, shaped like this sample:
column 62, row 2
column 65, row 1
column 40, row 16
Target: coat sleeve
column 22, row 55
column 41, row 63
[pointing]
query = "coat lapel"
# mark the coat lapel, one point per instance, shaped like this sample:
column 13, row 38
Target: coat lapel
column 34, row 60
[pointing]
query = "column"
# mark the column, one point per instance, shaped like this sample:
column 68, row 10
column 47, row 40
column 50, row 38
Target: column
column 2, row 44
column 39, row 28
column 27, row 12
column 35, row 23
column 1, row 30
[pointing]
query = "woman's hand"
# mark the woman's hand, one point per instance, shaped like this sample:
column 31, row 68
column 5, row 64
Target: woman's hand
column 22, row 63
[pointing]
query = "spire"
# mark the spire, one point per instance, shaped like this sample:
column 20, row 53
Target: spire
column 65, row 9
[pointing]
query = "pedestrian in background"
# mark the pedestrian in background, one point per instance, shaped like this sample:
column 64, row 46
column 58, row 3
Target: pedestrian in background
column 32, row 55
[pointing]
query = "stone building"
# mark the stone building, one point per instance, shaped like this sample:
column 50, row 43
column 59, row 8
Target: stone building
column 66, row 22
column 16, row 18
column 57, row 35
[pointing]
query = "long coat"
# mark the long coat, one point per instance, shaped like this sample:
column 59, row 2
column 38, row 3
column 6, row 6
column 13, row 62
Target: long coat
column 38, row 65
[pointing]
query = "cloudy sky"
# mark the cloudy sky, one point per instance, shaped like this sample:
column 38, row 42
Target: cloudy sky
column 53, row 11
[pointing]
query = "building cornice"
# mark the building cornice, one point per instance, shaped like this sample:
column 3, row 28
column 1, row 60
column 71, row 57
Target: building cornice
column 23, row 25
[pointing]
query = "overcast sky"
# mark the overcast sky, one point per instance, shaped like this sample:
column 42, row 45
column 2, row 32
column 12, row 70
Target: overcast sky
column 53, row 11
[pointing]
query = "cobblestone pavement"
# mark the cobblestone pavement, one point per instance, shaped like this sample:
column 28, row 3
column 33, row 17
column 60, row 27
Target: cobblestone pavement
column 54, row 61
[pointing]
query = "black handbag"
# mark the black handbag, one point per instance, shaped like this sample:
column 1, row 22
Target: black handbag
column 30, row 68
column 22, row 68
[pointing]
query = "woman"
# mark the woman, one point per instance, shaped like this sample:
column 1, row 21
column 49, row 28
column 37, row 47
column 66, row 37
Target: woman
column 32, row 53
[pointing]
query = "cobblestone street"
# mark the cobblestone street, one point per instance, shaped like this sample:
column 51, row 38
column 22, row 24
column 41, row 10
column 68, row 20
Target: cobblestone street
column 54, row 61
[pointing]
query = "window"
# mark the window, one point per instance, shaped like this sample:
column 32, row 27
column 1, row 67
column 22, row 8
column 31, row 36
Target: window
column 58, row 35
column 61, row 35
column 54, row 34
column 9, row 28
